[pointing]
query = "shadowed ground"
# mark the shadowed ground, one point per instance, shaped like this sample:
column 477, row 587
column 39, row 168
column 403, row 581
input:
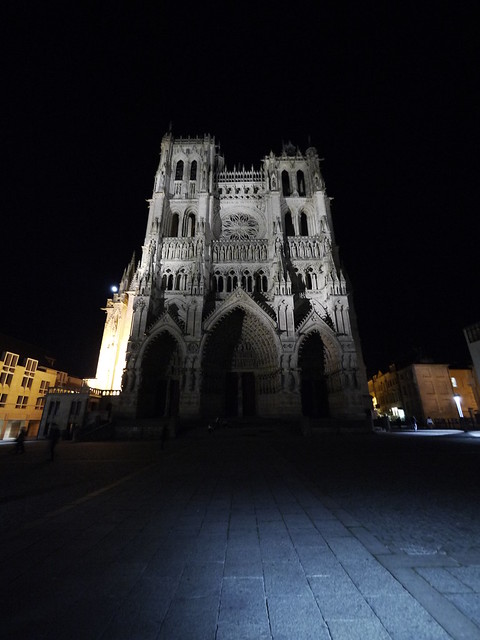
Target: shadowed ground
column 243, row 533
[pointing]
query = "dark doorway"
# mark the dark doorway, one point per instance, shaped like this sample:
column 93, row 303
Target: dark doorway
column 313, row 388
column 248, row 393
column 159, row 394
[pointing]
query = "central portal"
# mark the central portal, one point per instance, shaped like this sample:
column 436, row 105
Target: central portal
column 238, row 356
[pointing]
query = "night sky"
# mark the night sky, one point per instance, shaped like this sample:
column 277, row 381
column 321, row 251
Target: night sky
column 387, row 93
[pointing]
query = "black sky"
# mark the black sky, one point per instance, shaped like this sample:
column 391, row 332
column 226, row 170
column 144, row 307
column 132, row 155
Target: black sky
column 387, row 92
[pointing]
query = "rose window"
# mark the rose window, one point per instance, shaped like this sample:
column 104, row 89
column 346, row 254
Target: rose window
column 240, row 226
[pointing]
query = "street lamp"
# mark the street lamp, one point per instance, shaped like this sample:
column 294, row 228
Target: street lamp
column 457, row 399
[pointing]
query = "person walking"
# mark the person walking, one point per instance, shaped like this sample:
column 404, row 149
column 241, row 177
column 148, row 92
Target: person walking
column 20, row 441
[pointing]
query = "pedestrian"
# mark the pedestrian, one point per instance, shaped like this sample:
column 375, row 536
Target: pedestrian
column 414, row 423
column 20, row 441
column 54, row 436
column 430, row 423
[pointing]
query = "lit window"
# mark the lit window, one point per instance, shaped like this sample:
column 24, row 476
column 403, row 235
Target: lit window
column 454, row 382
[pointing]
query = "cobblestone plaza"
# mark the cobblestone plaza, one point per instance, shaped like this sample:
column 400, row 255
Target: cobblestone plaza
column 243, row 533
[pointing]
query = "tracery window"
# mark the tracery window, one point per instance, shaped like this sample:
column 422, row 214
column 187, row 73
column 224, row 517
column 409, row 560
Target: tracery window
column 240, row 226
column 179, row 170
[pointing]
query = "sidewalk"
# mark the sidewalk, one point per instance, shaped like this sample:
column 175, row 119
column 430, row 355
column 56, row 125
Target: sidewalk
column 236, row 535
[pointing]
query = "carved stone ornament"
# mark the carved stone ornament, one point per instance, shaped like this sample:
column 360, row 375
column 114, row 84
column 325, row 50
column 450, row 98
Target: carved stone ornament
column 240, row 226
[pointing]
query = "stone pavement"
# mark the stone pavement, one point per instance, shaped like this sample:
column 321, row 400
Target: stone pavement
column 245, row 533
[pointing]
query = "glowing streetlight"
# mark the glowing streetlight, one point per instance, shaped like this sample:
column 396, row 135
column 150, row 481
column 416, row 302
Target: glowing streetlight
column 114, row 288
column 457, row 399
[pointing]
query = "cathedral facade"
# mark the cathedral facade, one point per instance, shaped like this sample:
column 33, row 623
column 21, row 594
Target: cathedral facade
column 238, row 306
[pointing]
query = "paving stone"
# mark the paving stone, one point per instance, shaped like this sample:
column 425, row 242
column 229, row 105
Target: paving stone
column 243, row 604
column 371, row 628
column 469, row 604
column 284, row 578
column 372, row 578
column 468, row 575
column 405, row 619
column 295, row 617
column 190, row 619
column 200, row 579
column 348, row 548
column 443, row 580
column 331, row 529
column 317, row 561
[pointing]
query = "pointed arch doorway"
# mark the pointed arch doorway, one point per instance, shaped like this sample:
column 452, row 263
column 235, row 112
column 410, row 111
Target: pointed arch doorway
column 313, row 381
column 159, row 393
column 237, row 355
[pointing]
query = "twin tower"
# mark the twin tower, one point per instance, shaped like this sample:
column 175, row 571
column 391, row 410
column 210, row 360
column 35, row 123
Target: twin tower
column 238, row 306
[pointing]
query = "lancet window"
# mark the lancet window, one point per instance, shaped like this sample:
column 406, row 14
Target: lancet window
column 301, row 183
column 289, row 229
column 179, row 170
column 189, row 226
column 193, row 170
column 174, row 225
column 303, row 224
column 285, row 183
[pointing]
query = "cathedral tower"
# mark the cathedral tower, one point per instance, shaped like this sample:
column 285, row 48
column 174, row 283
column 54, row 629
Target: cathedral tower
column 238, row 306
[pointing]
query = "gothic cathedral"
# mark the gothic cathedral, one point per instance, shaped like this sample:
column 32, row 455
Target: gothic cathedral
column 238, row 306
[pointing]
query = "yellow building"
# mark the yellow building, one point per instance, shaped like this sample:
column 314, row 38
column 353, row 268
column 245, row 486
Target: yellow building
column 25, row 377
column 446, row 395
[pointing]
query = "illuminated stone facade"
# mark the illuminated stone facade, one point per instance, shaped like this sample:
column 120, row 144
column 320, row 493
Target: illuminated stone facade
column 238, row 306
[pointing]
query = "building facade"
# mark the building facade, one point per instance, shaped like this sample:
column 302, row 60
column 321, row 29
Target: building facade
column 472, row 336
column 238, row 306
column 26, row 376
column 437, row 391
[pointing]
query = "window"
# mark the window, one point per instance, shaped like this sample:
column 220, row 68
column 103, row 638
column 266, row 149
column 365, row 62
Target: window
column 40, row 403
column 6, row 378
column 27, row 382
column 285, row 183
column 3, row 399
column 301, row 184
column 44, row 386
column 174, row 229
column 10, row 361
column 454, row 382
column 21, row 402
column 189, row 226
column 179, row 170
column 303, row 225
column 9, row 364
column 289, row 230
column 31, row 366
column 193, row 170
